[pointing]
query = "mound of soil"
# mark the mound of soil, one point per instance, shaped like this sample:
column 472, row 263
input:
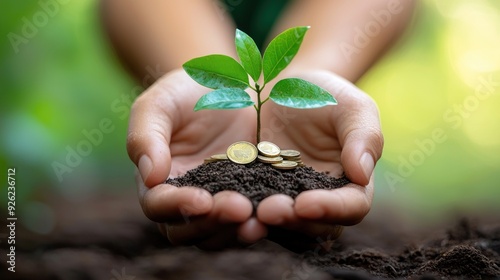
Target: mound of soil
column 466, row 252
column 256, row 180
column 107, row 237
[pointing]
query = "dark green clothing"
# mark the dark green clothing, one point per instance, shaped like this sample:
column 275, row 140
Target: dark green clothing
column 255, row 17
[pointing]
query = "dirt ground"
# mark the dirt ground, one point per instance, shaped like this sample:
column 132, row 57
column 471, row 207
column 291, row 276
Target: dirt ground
column 108, row 237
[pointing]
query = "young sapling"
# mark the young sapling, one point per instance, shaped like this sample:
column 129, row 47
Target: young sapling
column 229, row 79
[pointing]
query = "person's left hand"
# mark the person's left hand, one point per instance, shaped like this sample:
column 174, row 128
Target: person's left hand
column 345, row 138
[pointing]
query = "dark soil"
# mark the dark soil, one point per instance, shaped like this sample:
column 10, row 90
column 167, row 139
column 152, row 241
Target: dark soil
column 107, row 237
column 256, row 180
column 465, row 252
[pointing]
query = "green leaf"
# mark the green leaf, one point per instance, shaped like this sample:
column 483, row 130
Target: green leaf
column 217, row 71
column 249, row 54
column 225, row 98
column 281, row 51
column 297, row 93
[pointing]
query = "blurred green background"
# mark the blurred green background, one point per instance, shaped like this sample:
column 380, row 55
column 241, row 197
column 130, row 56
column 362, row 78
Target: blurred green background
column 63, row 81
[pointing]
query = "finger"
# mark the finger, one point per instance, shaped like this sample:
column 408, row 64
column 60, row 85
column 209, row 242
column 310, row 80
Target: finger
column 276, row 210
column 229, row 208
column 251, row 231
column 148, row 138
column 357, row 124
column 289, row 229
column 344, row 206
column 167, row 203
column 279, row 210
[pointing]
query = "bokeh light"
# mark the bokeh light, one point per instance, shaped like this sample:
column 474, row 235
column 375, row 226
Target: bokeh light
column 443, row 75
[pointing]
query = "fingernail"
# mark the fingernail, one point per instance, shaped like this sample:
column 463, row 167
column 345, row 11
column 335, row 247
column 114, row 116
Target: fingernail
column 367, row 164
column 145, row 167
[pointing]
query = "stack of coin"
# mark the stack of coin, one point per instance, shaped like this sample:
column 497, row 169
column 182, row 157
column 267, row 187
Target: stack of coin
column 271, row 153
column 243, row 152
column 292, row 155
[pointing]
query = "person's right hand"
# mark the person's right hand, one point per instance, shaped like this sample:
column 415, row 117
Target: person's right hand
column 166, row 138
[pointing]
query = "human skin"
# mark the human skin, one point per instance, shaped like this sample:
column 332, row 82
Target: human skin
column 166, row 138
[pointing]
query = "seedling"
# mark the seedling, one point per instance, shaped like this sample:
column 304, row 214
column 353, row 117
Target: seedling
column 229, row 78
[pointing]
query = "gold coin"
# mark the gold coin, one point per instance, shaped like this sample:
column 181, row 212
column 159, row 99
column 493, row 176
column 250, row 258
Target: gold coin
column 285, row 165
column 268, row 149
column 269, row 159
column 209, row 160
column 242, row 152
column 286, row 154
column 218, row 157
column 299, row 162
column 293, row 158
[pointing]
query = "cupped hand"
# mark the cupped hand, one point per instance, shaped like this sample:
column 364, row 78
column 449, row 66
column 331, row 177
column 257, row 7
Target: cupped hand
column 166, row 138
column 345, row 138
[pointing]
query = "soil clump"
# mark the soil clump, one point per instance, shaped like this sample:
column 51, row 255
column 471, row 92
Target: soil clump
column 256, row 180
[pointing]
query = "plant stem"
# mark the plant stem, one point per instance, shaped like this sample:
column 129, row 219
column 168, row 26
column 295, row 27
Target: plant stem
column 259, row 105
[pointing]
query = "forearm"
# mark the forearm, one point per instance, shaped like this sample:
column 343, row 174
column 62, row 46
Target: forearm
column 346, row 37
column 165, row 34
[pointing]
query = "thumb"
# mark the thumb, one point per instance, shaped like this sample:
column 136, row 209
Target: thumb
column 148, row 138
column 361, row 151
column 358, row 128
